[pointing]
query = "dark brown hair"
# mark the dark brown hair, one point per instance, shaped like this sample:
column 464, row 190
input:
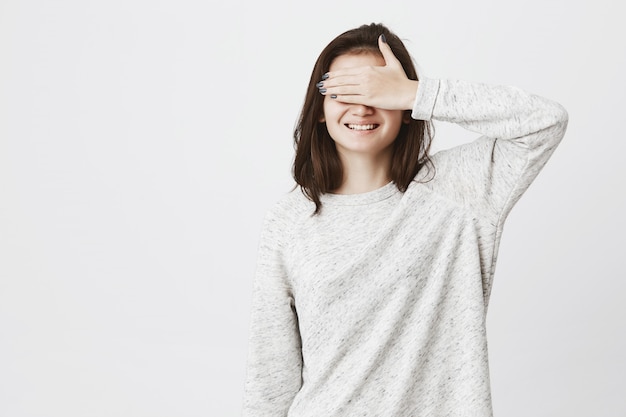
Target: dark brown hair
column 317, row 168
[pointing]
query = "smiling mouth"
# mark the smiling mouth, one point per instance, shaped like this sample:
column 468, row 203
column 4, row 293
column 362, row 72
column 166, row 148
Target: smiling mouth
column 361, row 127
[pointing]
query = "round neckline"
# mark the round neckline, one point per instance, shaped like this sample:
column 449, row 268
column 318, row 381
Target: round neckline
column 369, row 197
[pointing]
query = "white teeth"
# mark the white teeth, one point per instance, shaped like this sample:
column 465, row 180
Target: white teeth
column 361, row 127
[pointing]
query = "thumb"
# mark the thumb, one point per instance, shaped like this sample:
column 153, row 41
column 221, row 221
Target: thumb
column 388, row 56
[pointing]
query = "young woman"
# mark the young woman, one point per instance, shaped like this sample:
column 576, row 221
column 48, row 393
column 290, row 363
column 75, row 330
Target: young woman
column 373, row 278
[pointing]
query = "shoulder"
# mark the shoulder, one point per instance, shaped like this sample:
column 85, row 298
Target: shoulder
column 283, row 218
column 289, row 208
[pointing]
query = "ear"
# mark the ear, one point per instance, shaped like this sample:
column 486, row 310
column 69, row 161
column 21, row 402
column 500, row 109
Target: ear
column 406, row 118
column 322, row 119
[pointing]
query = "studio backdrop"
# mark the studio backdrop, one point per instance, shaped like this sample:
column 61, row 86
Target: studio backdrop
column 142, row 142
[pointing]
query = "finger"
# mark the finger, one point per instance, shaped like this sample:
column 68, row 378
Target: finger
column 339, row 82
column 342, row 77
column 385, row 49
column 347, row 85
column 342, row 90
column 350, row 99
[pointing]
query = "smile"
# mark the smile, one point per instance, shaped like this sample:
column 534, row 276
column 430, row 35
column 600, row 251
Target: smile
column 361, row 127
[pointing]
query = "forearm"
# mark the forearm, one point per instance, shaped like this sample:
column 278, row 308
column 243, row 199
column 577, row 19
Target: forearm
column 500, row 112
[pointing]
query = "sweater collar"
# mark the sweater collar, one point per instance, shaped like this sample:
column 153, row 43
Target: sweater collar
column 369, row 197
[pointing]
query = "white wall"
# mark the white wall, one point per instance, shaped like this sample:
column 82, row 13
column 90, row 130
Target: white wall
column 142, row 141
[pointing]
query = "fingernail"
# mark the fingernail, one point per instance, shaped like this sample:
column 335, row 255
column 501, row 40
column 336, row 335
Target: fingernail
column 320, row 84
column 382, row 38
column 325, row 77
column 322, row 90
column 333, row 96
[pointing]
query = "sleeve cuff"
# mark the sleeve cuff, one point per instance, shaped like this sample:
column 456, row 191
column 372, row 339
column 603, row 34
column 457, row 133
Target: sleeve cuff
column 425, row 98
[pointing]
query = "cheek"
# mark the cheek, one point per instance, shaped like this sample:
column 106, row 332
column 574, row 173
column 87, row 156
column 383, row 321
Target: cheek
column 332, row 109
column 396, row 119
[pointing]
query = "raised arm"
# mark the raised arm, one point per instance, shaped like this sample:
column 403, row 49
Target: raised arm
column 488, row 176
column 519, row 131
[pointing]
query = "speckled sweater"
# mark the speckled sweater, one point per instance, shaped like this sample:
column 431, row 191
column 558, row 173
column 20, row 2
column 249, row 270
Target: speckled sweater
column 377, row 306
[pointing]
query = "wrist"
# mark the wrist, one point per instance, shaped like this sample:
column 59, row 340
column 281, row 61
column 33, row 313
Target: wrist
column 411, row 94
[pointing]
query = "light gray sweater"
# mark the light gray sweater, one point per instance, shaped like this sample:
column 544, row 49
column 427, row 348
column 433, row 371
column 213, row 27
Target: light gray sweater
column 376, row 307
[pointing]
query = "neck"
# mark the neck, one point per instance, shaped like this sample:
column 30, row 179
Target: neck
column 362, row 173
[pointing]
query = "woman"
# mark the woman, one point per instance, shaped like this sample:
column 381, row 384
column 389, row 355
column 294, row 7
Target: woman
column 372, row 283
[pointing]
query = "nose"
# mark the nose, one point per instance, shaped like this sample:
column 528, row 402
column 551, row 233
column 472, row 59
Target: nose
column 361, row 110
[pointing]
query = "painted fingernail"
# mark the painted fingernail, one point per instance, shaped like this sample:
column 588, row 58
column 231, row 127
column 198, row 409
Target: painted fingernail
column 325, row 77
column 382, row 38
column 320, row 84
column 322, row 90
column 333, row 96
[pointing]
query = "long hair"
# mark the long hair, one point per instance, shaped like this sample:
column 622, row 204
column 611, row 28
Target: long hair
column 317, row 168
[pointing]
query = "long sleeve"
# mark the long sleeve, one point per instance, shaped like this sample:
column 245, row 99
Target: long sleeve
column 519, row 133
column 274, row 368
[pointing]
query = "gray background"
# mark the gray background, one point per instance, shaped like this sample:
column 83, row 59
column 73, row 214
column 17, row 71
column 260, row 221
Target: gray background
column 141, row 143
